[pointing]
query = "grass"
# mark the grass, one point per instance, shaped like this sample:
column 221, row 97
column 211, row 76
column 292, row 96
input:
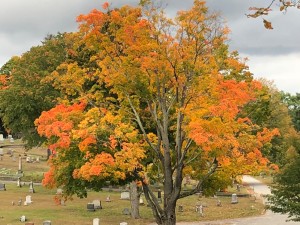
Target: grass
column 75, row 212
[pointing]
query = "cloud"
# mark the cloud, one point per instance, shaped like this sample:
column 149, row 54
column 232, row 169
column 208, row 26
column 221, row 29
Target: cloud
column 25, row 23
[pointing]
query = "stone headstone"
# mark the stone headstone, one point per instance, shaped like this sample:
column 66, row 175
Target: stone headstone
column 159, row 196
column 97, row 204
column 234, row 199
column 125, row 195
column 90, row 207
column 108, row 199
column 28, row 159
column 126, row 211
column 180, row 208
column 1, row 138
column 28, row 200
column 11, row 140
column 23, row 218
column 9, row 136
column 19, row 182
column 123, row 223
column 96, row 221
column 20, row 202
column 141, row 201
column 219, row 203
column 37, row 159
column 47, row 222
column 2, row 187
column 31, row 189
column 1, row 152
column 59, row 191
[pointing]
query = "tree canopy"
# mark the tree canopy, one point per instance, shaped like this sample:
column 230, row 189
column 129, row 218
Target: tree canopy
column 152, row 99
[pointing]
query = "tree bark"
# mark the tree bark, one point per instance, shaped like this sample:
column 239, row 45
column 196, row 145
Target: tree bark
column 134, row 200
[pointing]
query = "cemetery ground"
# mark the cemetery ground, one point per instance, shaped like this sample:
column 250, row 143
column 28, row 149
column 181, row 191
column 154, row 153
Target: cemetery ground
column 43, row 206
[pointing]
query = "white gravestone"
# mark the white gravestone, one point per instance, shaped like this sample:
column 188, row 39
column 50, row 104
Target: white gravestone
column 123, row 223
column 28, row 200
column 23, row 218
column 96, row 221
column 97, row 204
column 1, row 138
column 125, row 195
column 234, row 199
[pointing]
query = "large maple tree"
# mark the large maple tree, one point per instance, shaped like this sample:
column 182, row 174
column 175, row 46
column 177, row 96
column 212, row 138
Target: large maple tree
column 154, row 93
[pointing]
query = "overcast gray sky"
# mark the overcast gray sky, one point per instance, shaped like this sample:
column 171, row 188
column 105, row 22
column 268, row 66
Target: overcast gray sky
column 273, row 54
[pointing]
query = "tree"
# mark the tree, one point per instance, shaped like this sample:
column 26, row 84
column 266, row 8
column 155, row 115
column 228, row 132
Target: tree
column 166, row 94
column 285, row 191
column 24, row 95
column 283, row 5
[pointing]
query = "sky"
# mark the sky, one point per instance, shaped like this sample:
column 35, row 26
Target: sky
column 272, row 54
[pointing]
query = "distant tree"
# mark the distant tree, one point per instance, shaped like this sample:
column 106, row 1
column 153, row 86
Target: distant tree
column 293, row 103
column 23, row 94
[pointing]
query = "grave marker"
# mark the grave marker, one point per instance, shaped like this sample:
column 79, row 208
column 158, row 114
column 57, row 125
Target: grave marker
column 2, row 187
column 234, row 199
column 125, row 195
column 23, row 218
column 31, row 189
column 96, row 221
column 47, row 222
column 97, row 204
column 90, row 207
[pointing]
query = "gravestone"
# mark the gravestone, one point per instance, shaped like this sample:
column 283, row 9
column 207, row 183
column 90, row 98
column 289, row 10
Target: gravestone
column 2, row 187
column 20, row 165
column 159, row 196
column 1, row 138
column 219, row 203
column 31, row 189
column 123, row 223
column 23, row 218
column 126, row 211
column 37, row 160
column 1, row 152
column 108, row 199
column 90, row 207
column 141, row 201
column 19, row 182
column 96, row 221
column 28, row 200
column 125, row 195
column 20, row 202
column 180, row 208
column 97, row 204
column 59, row 191
column 28, row 159
column 12, row 140
column 47, row 222
column 234, row 199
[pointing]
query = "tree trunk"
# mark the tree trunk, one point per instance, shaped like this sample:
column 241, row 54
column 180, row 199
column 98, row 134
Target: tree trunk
column 134, row 200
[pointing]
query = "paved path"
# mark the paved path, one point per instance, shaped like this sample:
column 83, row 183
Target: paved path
column 269, row 218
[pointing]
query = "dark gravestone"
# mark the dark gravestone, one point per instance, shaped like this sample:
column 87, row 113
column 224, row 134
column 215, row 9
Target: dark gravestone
column 47, row 222
column 126, row 211
column 90, row 207
column 159, row 196
column 2, row 187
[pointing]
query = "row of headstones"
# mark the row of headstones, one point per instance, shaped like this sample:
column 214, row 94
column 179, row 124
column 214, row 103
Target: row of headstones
column 9, row 137
column 23, row 219
column 96, row 221
column 31, row 188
